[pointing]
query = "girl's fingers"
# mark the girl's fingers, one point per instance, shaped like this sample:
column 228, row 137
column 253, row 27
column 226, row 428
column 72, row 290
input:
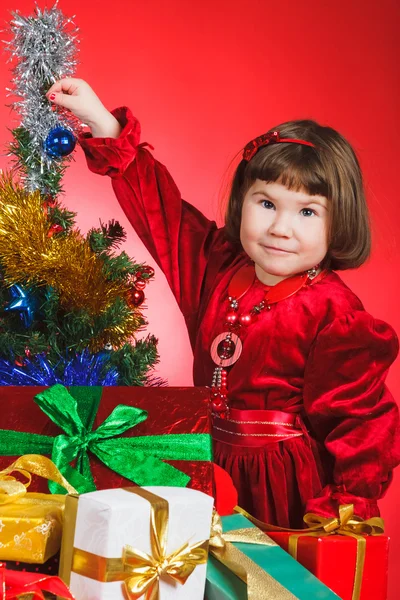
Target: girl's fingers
column 77, row 96
column 67, row 93
column 55, row 88
column 68, row 85
column 60, row 99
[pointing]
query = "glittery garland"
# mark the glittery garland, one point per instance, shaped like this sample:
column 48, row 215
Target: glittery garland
column 43, row 50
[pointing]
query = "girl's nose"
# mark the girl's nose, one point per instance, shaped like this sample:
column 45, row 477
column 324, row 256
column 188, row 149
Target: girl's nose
column 281, row 226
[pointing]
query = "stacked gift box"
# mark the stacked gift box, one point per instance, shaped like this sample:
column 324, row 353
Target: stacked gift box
column 137, row 464
column 99, row 438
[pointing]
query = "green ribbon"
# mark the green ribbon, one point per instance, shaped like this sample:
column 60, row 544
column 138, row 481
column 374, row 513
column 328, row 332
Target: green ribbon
column 139, row 459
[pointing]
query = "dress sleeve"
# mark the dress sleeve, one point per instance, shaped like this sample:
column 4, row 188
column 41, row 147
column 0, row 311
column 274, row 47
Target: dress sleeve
column 352, row 412
column 177, row 235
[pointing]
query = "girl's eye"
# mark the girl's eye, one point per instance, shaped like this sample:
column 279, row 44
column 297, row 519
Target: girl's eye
column 267, row 204
column 307, row 212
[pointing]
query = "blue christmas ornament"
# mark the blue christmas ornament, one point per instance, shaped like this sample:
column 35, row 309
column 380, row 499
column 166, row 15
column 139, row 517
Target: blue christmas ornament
column 23, row 302
column 59, row 142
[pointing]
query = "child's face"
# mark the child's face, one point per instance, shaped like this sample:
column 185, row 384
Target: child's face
column 284, row 232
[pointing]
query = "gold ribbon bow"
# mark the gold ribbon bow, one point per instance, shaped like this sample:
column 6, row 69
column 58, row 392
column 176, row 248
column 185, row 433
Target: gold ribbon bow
column 260, row 585
column 144, row 570
column 139, row 571
column 346, row 524
column 12, row 490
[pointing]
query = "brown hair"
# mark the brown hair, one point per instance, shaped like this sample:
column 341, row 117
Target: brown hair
column 331, row 169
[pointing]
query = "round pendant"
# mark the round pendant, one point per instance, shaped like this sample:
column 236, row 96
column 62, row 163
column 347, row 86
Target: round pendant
column 226, row 349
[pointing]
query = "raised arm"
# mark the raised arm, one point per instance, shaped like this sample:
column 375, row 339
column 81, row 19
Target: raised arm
column 181, row 240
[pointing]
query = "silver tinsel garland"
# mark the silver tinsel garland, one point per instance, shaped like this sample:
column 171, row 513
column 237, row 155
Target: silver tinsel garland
column 44, row 47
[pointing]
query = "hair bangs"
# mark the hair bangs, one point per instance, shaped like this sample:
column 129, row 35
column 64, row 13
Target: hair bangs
column 294, row 166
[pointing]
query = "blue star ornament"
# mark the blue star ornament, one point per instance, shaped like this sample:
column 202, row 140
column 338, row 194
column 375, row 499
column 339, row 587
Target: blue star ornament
column 23, row 302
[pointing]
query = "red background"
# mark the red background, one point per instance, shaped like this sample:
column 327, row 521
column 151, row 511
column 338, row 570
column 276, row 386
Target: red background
column 206, row 77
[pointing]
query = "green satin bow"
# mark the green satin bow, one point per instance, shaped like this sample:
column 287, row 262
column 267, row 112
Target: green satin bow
column 139, row 459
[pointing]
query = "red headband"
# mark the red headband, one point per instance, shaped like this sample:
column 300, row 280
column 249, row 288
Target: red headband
column 269, row 138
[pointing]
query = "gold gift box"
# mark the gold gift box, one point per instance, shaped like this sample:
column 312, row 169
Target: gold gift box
column 31, row 528
column 30, row 523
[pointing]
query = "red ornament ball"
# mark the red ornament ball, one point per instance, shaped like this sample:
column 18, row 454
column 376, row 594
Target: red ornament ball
column 135, row 297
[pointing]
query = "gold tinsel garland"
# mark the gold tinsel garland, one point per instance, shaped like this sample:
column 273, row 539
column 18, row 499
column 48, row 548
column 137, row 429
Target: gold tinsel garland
column 66, row 263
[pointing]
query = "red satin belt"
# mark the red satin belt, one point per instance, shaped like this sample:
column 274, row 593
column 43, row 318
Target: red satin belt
column 256, row 427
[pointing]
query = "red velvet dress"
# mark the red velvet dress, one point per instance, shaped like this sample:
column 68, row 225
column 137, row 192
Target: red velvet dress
column 318, row 354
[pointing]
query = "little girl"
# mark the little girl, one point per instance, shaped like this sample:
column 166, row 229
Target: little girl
column 302, row 420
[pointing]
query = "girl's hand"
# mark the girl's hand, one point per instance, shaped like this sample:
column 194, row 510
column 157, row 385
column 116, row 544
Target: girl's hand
column 77, row 96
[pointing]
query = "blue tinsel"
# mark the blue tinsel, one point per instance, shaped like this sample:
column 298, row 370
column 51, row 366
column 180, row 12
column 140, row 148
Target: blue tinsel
column 84, row 369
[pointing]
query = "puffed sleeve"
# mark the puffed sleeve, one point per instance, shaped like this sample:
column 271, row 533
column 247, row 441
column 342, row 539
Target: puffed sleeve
column 112, row 156
column 178, row 236
column 352, row 412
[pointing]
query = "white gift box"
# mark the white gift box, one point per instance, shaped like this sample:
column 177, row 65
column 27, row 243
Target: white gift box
column 103, row 523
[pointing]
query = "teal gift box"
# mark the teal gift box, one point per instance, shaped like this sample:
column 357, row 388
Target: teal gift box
column 270, row 572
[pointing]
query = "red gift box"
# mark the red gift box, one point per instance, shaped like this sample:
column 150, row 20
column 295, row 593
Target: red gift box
column 332, row 559
column 15, row 585
column 170, row 411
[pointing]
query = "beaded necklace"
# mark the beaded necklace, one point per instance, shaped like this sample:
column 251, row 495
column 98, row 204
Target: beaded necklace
column 226, row 348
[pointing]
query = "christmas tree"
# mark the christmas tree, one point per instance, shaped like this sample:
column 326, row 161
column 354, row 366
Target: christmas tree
column 70, row 305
